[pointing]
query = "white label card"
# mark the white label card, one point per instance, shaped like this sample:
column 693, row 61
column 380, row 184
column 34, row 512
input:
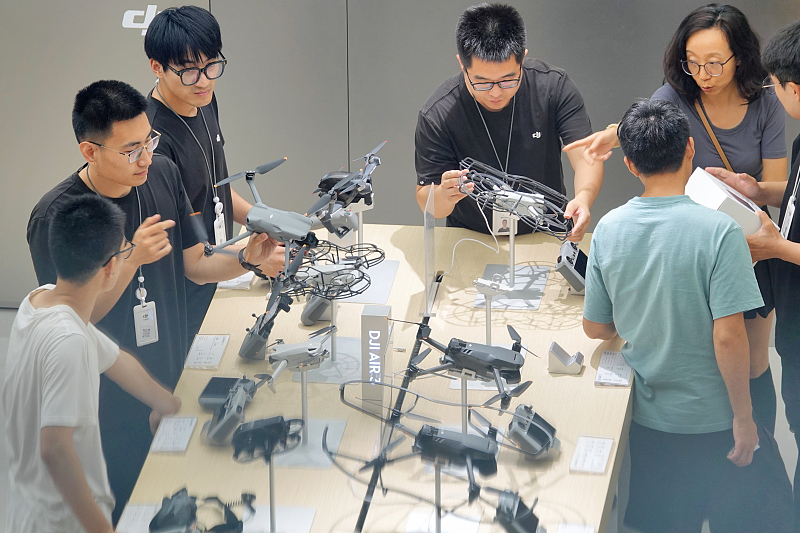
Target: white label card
column 145, row 323
column 206, row 351
column 613, row 370
column 241, row 282
column 173, row 434
column 591, row 455
column 219, row 229
column 788, row 217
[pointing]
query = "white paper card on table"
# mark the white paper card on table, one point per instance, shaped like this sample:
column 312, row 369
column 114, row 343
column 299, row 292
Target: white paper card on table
column 206, row 351
column 613, row 370
column 241, row 282
column 173, row 434
column 574, row 528
column 136, row 518
column 591, row 455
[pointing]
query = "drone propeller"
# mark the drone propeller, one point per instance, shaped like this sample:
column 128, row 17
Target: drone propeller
column 420, row 357
column 518, row 339
column 322, row 331
column 382, row 457
column 506, row 396
column 408, row 413
column 324, row 200
column 263, row 169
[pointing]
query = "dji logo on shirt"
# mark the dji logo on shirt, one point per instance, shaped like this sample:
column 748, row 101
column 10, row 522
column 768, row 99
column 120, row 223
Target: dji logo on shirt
column 128, row 18
column 536, row 135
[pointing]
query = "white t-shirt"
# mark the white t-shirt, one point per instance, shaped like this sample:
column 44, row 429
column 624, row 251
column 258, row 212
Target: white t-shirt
column 52, row 378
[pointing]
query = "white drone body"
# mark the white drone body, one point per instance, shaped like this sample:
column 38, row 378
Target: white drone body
column 521, row 202
column 492, row 288
column 301, row 356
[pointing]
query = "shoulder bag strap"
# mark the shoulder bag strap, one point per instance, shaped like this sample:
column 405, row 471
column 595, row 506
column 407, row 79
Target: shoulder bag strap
column 704, row 118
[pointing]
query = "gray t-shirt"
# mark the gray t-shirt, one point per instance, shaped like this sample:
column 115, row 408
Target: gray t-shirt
column 663, row 269
column 760, row 134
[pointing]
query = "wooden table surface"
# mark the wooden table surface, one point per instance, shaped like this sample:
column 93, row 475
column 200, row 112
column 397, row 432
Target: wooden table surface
column 572, row 404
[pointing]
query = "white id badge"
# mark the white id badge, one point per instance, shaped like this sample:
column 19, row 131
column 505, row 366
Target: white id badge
column 145, row 323
column 787, row 218
column 503, row 223
column 219, row 229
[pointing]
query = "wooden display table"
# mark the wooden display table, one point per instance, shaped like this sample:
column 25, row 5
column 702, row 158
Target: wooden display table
column 572, row 404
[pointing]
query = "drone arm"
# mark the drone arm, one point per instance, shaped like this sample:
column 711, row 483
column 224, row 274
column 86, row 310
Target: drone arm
column 278, row 371
column 446, row 366
column 500, row 388
column 227, row 243
column 252, row 183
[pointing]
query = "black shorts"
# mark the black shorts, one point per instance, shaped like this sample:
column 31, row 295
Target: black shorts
column 679, row 480
column 762, row 271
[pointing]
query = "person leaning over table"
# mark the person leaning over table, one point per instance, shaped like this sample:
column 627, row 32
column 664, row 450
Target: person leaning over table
column 57, row 473
column 184, row 46
column 663, row 269
column 116, row 140
column 507, row 112
column 779, row 249
column 713, row 70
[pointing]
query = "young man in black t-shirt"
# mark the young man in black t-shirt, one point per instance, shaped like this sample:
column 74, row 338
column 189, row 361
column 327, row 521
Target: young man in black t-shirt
column 184, row 46
column 781, row 247
column 506, row 112
column 145, row 313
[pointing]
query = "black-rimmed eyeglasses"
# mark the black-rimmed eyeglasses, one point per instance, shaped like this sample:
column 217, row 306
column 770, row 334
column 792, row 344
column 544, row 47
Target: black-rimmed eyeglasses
column 713, row 68
column 487, row 85
column 127, row 250
column 191, row 75
column 136, row 153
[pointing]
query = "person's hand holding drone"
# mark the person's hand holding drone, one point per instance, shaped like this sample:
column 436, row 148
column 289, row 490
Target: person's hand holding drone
column 451, row 181
column 275, row 262
column 578, row 211
column 151, row 240
column 259, row 247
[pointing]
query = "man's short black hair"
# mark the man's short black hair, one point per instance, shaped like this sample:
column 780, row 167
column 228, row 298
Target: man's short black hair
column 490, row 32
column 181, row 35
column 653, row 135
column 101, row 104
column 781, row 56
column 83, row 234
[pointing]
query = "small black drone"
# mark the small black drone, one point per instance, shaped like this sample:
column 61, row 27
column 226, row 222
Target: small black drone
column 477, row 361
column 537, row 205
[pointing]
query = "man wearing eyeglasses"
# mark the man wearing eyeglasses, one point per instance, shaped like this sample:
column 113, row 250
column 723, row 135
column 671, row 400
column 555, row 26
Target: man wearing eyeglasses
column 508, row 113
column 145, row 313
column 184, row 46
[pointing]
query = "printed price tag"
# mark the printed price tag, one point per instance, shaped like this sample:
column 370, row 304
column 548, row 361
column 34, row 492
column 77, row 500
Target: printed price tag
column 591, row 455
column 173, row 434
column 206, row 351
column 613, row 370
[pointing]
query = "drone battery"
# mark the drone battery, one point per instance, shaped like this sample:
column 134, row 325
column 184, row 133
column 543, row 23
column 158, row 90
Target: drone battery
column 216, row 392
column 571, row 264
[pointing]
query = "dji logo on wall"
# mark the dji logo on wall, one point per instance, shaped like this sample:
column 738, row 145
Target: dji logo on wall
column 129, row 18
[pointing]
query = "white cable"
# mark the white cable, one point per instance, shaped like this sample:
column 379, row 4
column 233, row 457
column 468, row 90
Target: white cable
column 496, row 249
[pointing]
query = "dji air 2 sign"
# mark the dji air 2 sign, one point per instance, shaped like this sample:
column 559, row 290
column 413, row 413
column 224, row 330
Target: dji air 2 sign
column 139, row 20
column 376, row 331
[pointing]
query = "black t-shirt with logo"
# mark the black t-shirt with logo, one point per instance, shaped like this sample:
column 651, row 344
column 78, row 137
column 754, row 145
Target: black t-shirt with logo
column 548, row 113
column 178, row 144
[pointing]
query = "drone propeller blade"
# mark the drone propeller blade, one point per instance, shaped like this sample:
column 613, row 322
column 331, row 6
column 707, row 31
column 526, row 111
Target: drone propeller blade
column 375, row 150
column 324, row 200
column 428, row 420
column 481, row 419
column 394, row 444
column 420, row 357
column 197, row 224
column 344, row 182
column 530, row 352
column 322, row 331
column 294, row 266
column 229, row 179
column 382, row 457
column 513, row 333
column 519, row 389
column 493, row 399
column 263, row 169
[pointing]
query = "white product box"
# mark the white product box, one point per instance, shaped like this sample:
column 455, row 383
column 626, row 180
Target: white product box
column 707, row 190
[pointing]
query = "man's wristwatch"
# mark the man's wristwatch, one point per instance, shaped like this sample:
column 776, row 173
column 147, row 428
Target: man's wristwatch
column 249, row 266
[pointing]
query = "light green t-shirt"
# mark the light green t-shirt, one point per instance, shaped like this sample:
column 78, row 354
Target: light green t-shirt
column 663, row 269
